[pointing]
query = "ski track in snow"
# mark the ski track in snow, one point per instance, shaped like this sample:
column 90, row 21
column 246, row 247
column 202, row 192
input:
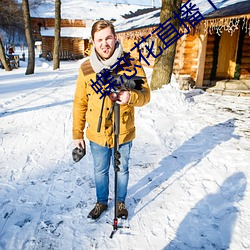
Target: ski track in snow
column 184, row 192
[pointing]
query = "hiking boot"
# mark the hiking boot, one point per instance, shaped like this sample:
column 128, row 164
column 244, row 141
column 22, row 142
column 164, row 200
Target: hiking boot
column 97, row 210
column 122, row 211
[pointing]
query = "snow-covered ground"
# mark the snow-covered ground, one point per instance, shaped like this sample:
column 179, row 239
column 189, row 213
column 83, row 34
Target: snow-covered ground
column 189, row 170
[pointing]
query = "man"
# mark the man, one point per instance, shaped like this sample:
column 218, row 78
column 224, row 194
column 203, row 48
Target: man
column 87, row 106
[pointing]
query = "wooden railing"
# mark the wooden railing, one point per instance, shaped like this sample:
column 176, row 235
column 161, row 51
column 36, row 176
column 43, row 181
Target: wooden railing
column 64, row 55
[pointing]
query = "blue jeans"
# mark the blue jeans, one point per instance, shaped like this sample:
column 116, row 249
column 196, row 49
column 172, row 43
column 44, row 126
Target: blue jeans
column 102, row 158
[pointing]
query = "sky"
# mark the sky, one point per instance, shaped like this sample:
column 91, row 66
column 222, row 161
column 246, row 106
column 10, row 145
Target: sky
column 189, row 169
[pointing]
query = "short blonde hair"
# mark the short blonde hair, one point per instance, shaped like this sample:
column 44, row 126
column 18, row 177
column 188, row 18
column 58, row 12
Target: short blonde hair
column 100, row 25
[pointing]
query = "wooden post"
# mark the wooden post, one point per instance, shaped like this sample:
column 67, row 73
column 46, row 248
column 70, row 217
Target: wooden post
column 201, row 60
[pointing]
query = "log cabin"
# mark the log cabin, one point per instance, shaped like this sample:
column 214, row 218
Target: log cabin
column 77, row 17
column 216, row 49
column 74, row 37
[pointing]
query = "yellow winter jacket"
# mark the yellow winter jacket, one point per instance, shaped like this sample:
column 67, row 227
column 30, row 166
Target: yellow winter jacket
column 87, row 106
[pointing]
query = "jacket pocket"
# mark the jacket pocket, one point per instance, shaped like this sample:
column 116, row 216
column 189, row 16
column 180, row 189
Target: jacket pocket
column 127, row 120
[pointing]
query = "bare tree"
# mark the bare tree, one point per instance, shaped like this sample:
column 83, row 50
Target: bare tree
column 11, row 24
column 56, row 59
column 3, row 57
column 163, row 65
column 36, row 3
column 28, row 33
column 11, row 16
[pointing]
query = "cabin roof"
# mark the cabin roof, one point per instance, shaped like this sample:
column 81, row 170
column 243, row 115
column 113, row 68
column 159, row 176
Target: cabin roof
column 74, row 32
column 140, row 21
column 84, row 10
column 232, row 10
column 151, row 17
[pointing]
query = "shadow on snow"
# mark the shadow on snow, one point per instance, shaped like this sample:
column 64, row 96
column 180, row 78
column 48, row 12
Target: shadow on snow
column 209, row 225
column 212, row 219
column 190, row 153
column 23, row 110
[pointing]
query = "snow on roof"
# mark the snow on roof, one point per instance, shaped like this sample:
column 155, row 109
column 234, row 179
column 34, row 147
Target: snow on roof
column 153, row 18
column 145, row 20
column 85, row 10
column 80, row 32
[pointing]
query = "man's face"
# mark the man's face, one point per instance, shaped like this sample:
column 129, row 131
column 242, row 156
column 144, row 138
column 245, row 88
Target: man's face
column 104, row 42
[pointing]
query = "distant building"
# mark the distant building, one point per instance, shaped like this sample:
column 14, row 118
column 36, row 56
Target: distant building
column 77, row 19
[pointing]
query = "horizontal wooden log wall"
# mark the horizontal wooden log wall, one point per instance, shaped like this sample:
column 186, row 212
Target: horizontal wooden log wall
column 178, row 61
column 47, row 45
column 185, row 62
column 50, row 22
column 73, row 45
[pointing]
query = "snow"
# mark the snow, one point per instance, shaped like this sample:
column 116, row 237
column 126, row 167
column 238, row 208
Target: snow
column 84, row 33
column 155, row 3
column 148, row 19
column 86, row 10
column 189, row 169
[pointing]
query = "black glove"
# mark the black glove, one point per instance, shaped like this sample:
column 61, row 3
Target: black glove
column 78, row 153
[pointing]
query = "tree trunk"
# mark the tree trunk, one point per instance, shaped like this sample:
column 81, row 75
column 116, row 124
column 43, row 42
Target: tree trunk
column 56, row 59
column 3, row 57
column 28, row 33
column 163, row 65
